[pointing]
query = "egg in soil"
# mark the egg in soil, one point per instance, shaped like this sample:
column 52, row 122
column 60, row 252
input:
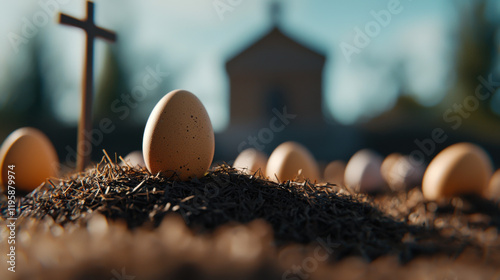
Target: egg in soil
column 250, row 161
column 334, row 172
column 31, row 156
column 493, row 191
column 401, row 173
column 178, row 138
column 292, row 161
column 134, row 159
column 362, row 173
column 462, row 168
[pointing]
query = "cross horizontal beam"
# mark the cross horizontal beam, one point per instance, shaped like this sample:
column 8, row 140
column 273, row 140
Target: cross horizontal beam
column 88, row 24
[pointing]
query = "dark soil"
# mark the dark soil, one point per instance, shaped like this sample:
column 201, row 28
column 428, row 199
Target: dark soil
column 400, row 225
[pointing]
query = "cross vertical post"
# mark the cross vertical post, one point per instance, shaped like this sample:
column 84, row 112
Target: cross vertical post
column 84, row 146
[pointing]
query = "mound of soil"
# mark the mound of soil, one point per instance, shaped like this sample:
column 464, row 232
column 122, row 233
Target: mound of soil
column 276, row 218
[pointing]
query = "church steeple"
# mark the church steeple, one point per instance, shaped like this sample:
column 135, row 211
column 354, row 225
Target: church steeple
column 275, row 11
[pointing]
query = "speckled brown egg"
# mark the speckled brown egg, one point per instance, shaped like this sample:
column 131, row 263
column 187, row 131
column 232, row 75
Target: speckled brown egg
column 32, row 157
column 178, row 137
column 250, row 161
column 462, row 168
column 292, row 161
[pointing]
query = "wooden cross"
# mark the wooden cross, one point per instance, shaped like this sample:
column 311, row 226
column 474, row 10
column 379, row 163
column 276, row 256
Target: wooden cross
column 84, row 147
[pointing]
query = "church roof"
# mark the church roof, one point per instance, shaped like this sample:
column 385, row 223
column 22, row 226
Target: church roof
column 274, row 52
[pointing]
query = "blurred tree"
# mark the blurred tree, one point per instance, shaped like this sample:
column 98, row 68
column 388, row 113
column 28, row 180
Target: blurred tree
column 121, row 94
column 110, row 85
column 476, row 51
column 27, row 103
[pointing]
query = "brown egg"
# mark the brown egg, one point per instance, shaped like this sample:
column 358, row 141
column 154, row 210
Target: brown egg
column 251, row 161
column 290, row 161
column 334, row 172
column 461, row 168
column 400, row 173
column 388, row 163
column 493, row 191
column 134, row 159
column 362, row 173
column 178, row 137
column 31, row 158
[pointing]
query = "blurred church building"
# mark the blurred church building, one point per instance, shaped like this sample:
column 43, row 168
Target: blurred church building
column 276, row 95
column 272, row 73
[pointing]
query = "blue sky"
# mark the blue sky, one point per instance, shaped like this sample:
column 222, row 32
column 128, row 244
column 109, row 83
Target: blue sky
column 190, row 40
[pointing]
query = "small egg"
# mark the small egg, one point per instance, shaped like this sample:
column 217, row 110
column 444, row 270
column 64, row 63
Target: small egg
column 362, row 173
column 334, row 172
column 30, row 156
column 250, row 161
column 178, row 137
column 134, row 159
column 292, row 161
column 493, row 191
column 462, row 168
column 387, row 165
column 400, row 172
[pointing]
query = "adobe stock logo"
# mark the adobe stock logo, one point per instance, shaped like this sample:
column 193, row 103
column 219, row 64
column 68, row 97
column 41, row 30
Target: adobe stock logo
column 363, row 37
column 31, row 27
column 223, row 6
column 454, row 116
